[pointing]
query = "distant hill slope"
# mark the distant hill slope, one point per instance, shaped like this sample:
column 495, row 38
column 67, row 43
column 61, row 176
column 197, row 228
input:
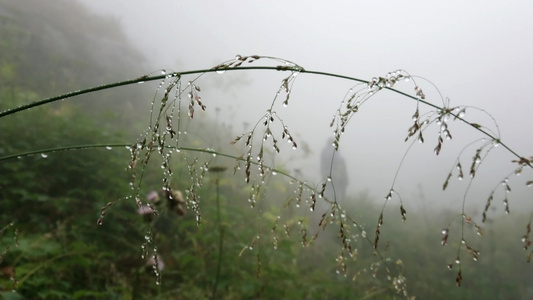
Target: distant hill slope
column 54, row 46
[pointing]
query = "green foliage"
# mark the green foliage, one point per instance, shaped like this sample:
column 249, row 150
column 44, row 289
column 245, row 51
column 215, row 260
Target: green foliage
column 56, row 246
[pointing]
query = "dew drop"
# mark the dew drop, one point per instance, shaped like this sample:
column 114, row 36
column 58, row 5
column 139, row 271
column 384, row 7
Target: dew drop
column 109, row 148
column 221, row 71
column 44, row 155
column 288, row 63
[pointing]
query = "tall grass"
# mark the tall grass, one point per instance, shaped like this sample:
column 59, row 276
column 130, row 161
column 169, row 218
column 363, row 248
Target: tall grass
column 177, row 100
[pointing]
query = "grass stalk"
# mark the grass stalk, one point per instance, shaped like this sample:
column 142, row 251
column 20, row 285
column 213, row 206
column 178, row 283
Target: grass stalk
column 220, row 240
column 147, row 78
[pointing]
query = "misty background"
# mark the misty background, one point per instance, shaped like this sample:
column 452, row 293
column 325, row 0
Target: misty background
column 476, row 53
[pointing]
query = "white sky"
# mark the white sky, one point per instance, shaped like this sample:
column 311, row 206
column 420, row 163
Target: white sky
column 478, row 53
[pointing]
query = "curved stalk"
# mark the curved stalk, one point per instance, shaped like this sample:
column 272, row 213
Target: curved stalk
column 224, row 69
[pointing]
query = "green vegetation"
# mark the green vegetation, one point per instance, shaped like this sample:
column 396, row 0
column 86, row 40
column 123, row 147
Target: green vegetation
column 70, row 227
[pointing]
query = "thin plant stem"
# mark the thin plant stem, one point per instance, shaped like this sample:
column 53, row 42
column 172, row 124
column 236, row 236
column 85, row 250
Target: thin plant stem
column 220, row 239
column 271, row 68
column 116, row 145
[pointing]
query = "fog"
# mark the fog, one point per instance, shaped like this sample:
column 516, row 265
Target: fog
column 477, row 53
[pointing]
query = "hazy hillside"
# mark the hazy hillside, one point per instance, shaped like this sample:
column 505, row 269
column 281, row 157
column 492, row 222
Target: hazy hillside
column 51, row 46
